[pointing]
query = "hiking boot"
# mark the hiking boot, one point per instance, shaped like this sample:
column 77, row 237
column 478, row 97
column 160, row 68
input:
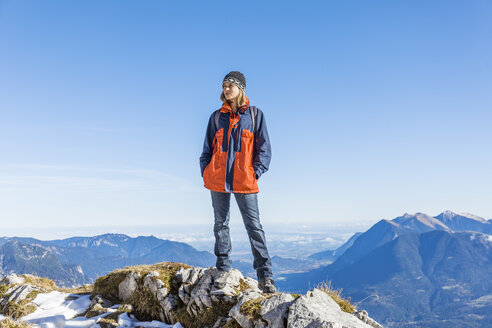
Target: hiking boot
column 267, row 286
column 221, row 279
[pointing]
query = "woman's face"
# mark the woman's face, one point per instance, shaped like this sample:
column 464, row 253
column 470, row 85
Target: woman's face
column 231, row 91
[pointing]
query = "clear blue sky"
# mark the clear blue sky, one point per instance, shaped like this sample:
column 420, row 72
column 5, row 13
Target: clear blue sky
column 374, row 108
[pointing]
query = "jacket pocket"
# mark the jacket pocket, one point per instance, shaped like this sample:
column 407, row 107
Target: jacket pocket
column 244, row 174
column 214, row 173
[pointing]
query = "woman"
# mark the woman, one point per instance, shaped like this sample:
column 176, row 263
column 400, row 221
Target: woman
column 236, row 152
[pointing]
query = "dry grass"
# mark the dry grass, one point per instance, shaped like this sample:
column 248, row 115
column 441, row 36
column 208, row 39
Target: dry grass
column 243, row 285
column 205, row 318
column 232, row 324
column 3, row 289
column 107, row 285
column 336, row 295
column 15, row 310
column 11, row 323
column 252, row 308
column 110, row 320
column 49, row 285
column 145, row 306
column 84, row 289
column 44, row 283
column 21, row 308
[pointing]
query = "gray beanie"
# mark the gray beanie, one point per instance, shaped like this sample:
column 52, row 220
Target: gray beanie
column 237, row 78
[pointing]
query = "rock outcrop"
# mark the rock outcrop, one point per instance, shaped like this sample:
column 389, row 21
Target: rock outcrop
column 174, row 292
column 16, row 296
column 179, row 293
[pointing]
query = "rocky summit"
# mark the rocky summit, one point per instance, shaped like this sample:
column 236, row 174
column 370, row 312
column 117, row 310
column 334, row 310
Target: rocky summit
column 172, row 294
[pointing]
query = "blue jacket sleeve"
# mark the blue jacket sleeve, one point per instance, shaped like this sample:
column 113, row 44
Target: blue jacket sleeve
column 207, row 144
column 262, row 152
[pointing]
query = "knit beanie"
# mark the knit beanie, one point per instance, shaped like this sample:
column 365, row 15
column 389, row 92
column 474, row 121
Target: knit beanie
column 237, row 78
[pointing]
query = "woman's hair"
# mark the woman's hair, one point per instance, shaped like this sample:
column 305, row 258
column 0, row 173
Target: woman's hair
column 240, row 99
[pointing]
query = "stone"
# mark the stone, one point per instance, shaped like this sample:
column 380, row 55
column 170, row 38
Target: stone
column 221, row 321
column 152, row 281
column 190, row 276
column 161, row 293
column 12, row 279
column 362, row 315
column 98, row 299
column 107, row 323
column 200, row 295
column 252, row 283
column 168, row 305
column 125, row 308
column 95, row 309
column 128, row 286
column 155, row 285
column 232, row 283
column 183, row 295
column 274, row 309
column 18, row 293
column 244, row 320
column 71, row 297
column 317, row 309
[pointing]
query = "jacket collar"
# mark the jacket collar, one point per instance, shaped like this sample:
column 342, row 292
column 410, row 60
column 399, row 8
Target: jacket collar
column 227, row 109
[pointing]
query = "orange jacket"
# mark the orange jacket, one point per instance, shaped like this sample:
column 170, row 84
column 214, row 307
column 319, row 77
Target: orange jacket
column 233, row 158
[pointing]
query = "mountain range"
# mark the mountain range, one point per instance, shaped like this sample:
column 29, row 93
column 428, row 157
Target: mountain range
column 415, row 271
column 79, row 260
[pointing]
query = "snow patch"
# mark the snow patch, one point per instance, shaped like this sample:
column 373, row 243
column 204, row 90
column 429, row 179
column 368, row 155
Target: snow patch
column 125, row 320
column 57, row 310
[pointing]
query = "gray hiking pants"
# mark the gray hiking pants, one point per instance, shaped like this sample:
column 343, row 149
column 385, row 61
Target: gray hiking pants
column 248, row 206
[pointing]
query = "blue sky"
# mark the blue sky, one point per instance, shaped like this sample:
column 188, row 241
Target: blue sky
column 374, row 108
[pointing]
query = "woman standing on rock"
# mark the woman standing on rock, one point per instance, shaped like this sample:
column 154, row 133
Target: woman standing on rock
column 236, row 152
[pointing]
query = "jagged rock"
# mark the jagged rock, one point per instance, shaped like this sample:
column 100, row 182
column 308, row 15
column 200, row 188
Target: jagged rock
column 244, row 320
column 221, row 321
column 252, row 283
column 200, row 295
column 98, row 299
column 169, row 305
column 12, row 279
column 152, row 281
column 128, row 286
column 107, row 324
column 317, row 309
column 189, row 276
column 99, row 305
column 184, row 293
column 362, row 315
column 109, row 321
column 232, row 283
column 71, row 297
column 18, row 293
column 274, row 309
column 125, row 308
column 224, row 294
column 188, row 279
column 95, row 309
column 192, row 290
column 155, row 285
